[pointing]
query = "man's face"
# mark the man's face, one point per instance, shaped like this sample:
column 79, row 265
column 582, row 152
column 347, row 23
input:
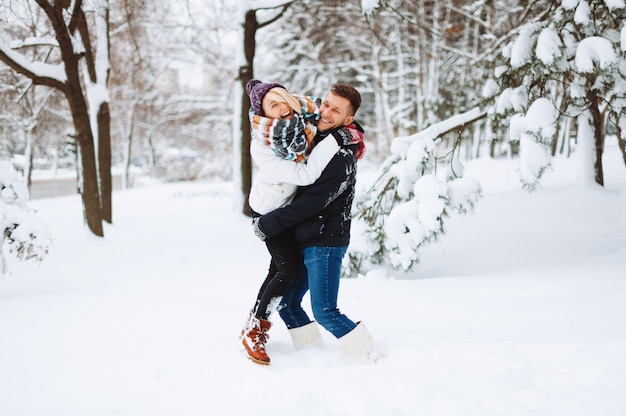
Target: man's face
column 334, row 112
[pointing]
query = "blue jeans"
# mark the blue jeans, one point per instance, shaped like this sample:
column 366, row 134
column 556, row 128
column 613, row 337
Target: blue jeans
column 321, row 276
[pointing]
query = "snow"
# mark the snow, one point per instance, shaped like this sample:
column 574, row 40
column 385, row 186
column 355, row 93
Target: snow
column 534, row 159
column 585, row 151
column 369, row 6
column 541, row 117
column 569, row 4
column 615, row 4
column 512, row 99
column 594, row 49
column 520, row 309
column 521, row 51
column 429, row 193
column 582, row 13
column 534, row 132
column 549, row 46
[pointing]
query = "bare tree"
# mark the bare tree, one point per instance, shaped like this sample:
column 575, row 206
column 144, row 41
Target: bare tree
column 82, row 75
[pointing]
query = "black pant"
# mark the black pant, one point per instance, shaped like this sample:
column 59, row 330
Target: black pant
column 285, row 266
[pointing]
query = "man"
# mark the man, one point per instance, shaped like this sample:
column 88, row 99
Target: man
column 321, row 217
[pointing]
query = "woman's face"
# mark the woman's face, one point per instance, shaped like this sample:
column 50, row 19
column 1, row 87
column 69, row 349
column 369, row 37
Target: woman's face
column 275, row 107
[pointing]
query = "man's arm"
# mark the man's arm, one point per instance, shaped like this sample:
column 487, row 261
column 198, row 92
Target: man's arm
column 288, row 171
column 312, row 200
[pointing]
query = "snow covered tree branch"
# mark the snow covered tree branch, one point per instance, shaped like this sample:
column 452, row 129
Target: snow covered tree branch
column 407, row 204
column 26, row 236
column 40, row 72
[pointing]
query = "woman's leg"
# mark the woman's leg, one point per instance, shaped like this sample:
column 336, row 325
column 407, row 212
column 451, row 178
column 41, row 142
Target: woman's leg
column 270, row 274
column 284, row 269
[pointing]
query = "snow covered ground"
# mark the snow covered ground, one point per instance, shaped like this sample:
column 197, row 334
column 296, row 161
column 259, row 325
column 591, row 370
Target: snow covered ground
column 520, row 309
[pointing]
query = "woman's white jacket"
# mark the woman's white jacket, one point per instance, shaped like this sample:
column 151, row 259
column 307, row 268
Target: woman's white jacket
column 276, row 180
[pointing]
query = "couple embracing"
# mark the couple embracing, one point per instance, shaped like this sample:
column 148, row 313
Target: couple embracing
column 301, row 202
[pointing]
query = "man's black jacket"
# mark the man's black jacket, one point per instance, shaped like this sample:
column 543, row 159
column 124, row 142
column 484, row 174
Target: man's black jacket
column 321, row 212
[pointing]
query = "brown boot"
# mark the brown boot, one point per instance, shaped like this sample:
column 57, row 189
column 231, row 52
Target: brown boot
column 254, row 337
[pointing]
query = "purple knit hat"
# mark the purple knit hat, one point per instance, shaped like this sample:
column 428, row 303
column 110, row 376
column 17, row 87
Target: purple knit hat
column 256, row 91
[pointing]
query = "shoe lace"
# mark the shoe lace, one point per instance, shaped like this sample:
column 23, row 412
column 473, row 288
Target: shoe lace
column 262, row 337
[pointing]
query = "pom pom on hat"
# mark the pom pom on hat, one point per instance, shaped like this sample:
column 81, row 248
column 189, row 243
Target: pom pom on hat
column 256, row 91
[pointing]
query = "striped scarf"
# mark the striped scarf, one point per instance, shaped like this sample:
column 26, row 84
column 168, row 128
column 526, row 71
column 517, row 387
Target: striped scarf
column 290, row 139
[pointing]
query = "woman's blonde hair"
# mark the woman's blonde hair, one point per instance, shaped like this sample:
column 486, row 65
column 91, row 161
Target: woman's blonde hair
column 281, row 95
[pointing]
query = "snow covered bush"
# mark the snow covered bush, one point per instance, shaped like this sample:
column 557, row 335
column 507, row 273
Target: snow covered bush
column 406, row 206
column 26, row 236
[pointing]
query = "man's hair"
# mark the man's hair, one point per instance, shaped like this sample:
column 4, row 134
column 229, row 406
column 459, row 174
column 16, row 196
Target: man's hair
column 350, row 93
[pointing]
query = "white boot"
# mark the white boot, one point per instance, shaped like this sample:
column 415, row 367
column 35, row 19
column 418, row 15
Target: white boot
column 306, row 335
column 359, row 344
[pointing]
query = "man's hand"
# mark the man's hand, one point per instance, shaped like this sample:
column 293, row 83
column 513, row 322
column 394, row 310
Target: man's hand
column 342, row 136
column 257, row 228
column 352, row 137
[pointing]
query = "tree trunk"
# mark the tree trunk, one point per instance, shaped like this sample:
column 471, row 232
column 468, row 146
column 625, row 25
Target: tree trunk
column 130, row 113
column 104, row 161
column 598, row 135
column 90, row 192
column 245, row 75
column 84, row 139
column 28, row 156
column 621, row 141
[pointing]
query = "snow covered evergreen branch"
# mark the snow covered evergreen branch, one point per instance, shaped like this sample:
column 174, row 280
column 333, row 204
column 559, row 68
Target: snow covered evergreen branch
column 26, row 236
column 410, row 199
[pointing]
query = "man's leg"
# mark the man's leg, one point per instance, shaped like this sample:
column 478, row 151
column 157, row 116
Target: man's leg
column 323, row 265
